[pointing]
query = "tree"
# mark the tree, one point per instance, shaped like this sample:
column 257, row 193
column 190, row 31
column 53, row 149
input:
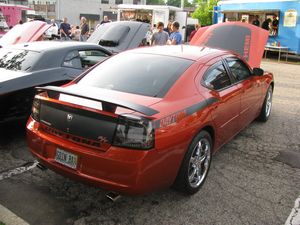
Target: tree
column 204, row 12
column 155, row 2
column 177, row 3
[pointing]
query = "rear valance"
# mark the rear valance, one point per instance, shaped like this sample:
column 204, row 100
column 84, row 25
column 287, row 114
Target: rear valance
column 53, row 92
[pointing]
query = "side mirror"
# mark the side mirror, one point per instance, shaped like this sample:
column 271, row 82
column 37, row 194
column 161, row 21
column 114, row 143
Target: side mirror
column 258, row 72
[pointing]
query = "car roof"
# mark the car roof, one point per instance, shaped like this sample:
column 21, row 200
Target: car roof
column 181, row 51
column 40, row 46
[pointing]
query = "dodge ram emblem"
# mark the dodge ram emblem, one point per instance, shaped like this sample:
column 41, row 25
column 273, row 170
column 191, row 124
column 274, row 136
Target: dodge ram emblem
column 69, row 117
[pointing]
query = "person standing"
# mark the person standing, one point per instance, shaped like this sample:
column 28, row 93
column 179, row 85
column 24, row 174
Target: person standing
column 84, row 27
column 76, row 33
column 52, row 32
column 275, row 24
column 266, row 24
column 197, row 26
column 160, row 37
column 175, row 37
column 65, row 30
column 105, row 20
column 168, row 29
column 256, row 21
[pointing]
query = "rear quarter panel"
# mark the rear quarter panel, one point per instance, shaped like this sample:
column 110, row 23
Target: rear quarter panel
column 183, row 113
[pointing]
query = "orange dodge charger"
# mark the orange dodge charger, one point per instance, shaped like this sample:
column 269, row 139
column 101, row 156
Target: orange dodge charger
column 150, row 118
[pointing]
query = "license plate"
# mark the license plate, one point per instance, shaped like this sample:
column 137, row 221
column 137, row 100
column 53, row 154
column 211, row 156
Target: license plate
column 66, row 158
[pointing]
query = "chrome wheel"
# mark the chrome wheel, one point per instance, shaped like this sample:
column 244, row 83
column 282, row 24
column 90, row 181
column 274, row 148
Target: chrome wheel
column 199, row 162
column 268, row 103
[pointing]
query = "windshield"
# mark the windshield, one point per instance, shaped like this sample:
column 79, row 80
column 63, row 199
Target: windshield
column 17, row 59
column 143, row 74
column 110, row 35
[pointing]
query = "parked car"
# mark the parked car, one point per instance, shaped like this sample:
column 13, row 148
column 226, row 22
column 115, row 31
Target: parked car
column 150, row 118
column 25, row 66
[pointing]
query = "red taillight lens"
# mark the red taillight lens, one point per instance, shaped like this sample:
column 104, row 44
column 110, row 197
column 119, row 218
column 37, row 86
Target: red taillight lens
column 134, row 132
column 35, row 110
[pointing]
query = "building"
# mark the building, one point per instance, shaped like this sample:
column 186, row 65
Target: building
column 93, row 10
column 45, row 9
column 12, row 2
column 287, row 33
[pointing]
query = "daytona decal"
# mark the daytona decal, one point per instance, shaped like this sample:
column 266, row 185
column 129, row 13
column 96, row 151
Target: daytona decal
column 176, row 117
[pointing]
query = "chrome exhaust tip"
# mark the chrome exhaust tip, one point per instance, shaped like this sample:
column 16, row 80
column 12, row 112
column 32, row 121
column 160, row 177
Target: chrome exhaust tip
column 41, row 167
column 113, row 196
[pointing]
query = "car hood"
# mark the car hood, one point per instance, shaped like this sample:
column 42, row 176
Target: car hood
column 120, row 36
column 243, row 39
column 27, row 32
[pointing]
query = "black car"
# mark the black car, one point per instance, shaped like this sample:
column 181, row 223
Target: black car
column 25, row 66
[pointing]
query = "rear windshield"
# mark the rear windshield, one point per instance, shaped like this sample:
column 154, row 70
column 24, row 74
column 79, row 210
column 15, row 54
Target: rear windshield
column 143, row 74
column 111, row 35
column 17, row 59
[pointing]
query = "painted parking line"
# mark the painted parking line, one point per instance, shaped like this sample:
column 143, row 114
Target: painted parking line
column 294, row 217
column 19, row 170
column 9, row 218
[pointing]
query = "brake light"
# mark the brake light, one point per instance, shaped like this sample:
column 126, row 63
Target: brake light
column 134, row 132
column 35, row 110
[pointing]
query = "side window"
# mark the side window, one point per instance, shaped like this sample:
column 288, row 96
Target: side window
column 238, row 69
column 72, row 60
column 91, row 57
column 216, row 78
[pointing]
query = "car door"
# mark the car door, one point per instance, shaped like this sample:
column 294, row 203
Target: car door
column 225, row 112
column 250, row 89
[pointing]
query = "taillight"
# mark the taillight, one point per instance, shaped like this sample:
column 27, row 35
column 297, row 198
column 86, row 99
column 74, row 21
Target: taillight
column 134, row 132
column 35, row 110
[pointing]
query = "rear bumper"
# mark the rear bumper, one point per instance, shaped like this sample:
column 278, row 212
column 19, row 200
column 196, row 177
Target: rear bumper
column 117, row 169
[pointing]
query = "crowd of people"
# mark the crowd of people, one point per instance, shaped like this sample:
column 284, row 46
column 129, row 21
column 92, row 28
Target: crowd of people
column 71, row 32
column 169, row 35
column 269, row 24
column 159, row 34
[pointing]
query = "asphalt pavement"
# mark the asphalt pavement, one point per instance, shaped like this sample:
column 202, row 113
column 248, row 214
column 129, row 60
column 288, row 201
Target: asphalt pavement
column 254, row 179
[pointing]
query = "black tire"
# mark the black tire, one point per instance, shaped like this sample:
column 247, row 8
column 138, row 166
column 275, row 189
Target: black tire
column 267, row 106
column 183, row 181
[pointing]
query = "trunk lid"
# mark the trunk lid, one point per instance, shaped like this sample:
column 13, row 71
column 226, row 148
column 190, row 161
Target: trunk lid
column 88, row 116
column 27, row 32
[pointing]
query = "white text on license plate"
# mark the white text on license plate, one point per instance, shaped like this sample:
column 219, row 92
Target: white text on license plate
column 66, row 158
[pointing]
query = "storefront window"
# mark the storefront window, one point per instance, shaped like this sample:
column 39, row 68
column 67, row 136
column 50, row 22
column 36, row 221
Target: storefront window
column 268, row 20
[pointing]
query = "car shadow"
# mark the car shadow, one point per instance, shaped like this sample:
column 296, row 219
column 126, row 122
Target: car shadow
column 12, row 131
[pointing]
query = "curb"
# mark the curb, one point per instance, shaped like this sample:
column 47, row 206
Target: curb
column 294, row 217
column 9, row 218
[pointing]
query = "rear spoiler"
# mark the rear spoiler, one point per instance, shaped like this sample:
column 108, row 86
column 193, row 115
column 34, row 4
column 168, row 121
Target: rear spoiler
column 55, row 91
